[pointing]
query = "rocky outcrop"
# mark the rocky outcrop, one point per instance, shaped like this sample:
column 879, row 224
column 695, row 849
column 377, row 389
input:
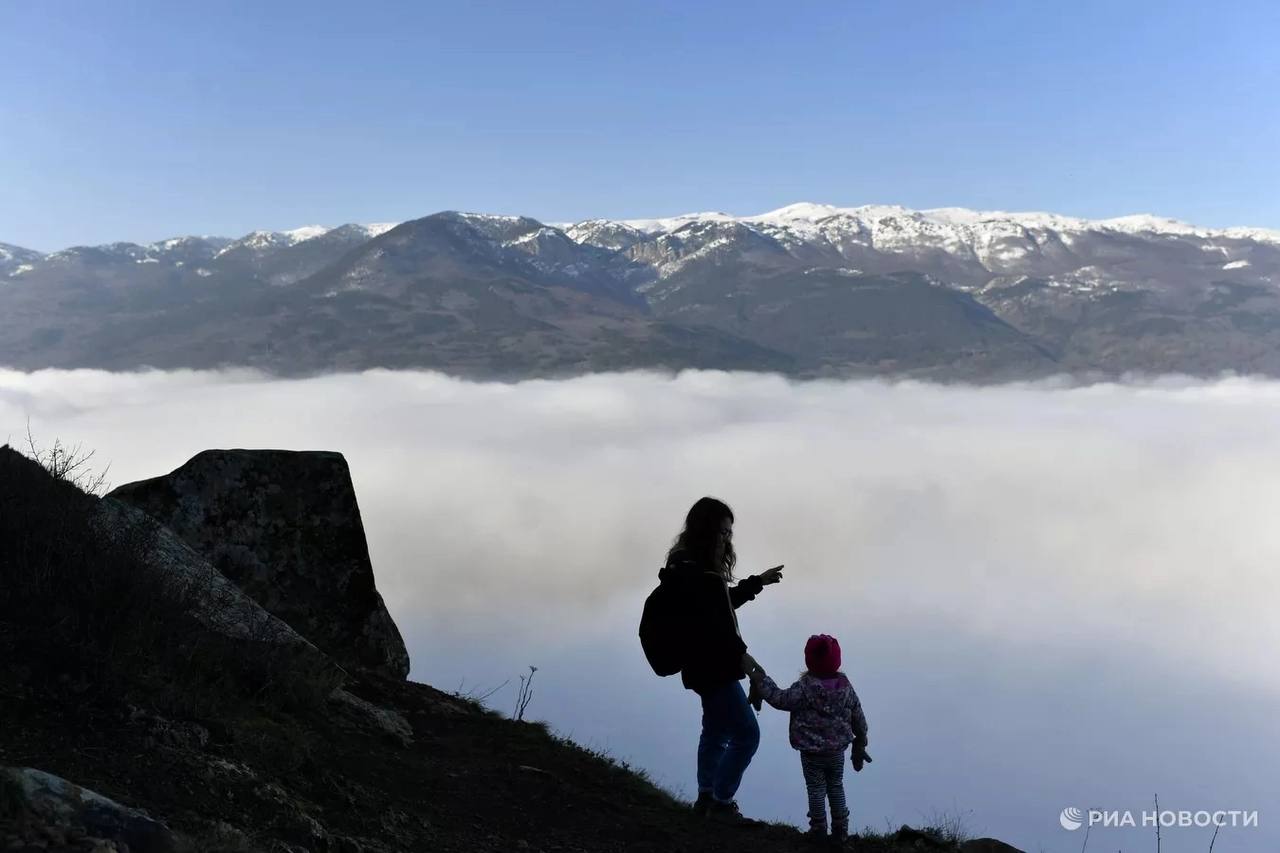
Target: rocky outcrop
column 369, row 716
column 987, row 845
column 68, row 813
column 285, row 527
column 217, row 602
column 942, row 842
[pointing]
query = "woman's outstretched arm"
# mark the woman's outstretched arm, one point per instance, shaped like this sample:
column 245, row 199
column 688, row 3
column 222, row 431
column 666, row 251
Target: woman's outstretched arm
column 745, row 590
column 749, row 588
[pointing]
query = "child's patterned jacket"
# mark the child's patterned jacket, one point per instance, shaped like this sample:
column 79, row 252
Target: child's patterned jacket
column 826, row 715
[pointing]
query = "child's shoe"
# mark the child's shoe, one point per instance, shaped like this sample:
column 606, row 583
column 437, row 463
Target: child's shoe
column 816, row 835
column 839, row 834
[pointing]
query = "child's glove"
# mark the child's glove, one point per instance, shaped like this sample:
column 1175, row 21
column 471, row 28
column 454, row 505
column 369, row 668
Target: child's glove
column 858, row 757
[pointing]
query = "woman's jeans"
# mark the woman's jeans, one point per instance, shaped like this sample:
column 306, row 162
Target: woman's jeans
column 730, row 735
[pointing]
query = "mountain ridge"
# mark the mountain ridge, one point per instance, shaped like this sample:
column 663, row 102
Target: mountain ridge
column 1127, row 223
column 808, row 290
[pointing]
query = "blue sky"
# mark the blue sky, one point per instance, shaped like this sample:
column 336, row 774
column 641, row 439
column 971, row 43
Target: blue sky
column 138, row 121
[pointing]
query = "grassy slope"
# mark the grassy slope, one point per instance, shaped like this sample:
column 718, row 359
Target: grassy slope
column 237, row 751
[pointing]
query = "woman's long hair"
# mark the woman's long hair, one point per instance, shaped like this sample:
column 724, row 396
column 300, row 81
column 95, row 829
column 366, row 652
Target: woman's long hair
column 701, row 536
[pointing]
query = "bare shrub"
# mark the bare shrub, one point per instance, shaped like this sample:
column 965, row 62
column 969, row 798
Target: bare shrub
column 69, row 464
column 525, row 696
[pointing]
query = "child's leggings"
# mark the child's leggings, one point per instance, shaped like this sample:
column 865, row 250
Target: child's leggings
column 824, row 779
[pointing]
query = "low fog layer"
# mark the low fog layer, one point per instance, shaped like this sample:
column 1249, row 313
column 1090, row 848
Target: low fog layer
column 1047, row 596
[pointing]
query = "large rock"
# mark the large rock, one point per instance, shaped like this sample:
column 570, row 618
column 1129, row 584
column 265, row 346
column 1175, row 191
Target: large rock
column 217, row 602
column 987, row 845
column 64, row 804
column 285, row 527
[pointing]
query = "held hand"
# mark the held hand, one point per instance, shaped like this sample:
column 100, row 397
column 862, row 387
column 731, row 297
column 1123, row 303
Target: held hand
column 754, row 699
column 751, row 666
column 771, row 576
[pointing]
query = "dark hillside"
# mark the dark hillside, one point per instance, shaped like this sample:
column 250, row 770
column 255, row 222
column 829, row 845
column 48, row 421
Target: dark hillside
column 236, row 744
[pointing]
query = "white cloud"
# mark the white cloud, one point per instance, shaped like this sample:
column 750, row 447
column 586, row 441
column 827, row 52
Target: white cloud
column 1113, row 512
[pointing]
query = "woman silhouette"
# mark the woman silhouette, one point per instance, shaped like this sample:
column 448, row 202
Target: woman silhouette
column 701, row 564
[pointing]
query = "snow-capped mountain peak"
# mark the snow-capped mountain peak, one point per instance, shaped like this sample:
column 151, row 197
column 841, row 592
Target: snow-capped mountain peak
column 258, row 241
column 377, row 229
column 803, row 216
column 672, row 223
column 306, row 232
column 277, row 239
column 1147, row 223
column 15, row 260
column 1002, row 242
column 174, row 243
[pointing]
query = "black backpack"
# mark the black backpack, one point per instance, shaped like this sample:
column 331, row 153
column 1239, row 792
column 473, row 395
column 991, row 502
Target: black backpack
column 661, row 630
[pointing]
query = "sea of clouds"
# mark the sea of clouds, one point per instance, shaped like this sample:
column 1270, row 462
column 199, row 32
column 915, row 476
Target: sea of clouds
column 1049, row 596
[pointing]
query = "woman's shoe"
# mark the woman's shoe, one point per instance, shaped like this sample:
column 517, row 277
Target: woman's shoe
column 729, row 814
column 703, row 804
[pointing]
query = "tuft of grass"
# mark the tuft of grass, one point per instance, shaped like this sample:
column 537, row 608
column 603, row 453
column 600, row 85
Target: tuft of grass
column 476, row 697
column 625, row 776
column 949, row 827
column 871, row 834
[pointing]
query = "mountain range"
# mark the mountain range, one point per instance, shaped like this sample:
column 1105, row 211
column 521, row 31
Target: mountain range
column 808, row 290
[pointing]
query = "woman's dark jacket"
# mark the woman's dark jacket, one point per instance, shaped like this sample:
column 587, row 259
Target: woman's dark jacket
column 714, row 648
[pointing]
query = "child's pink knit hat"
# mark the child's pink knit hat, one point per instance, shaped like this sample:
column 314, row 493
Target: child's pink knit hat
column 822, row 655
